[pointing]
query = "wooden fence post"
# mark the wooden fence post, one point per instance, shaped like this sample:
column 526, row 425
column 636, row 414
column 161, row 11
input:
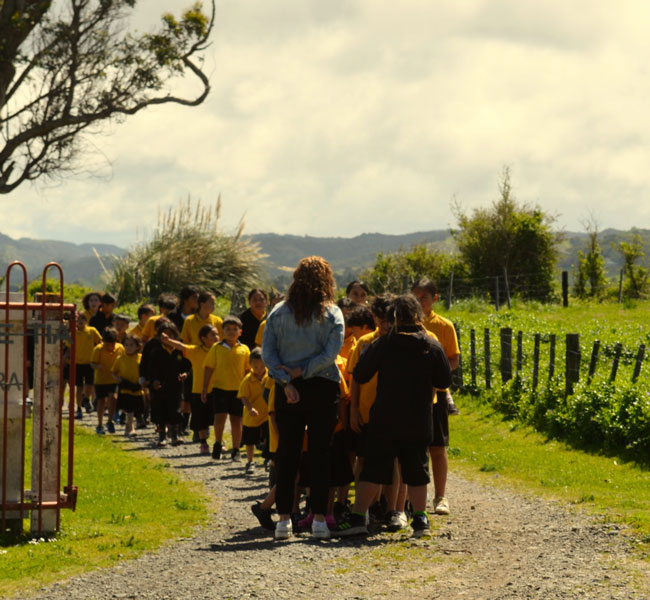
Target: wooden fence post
column 551, row 356
column 506, row 354
column 620, row 287
column 496, row 292
column 572, row 372
column 640, row 355
column 593, row 363
column 450, row 290
column 520, row 351
column 472, row 362
column 617, row 357
column 458, row 373
column 505, row 281
column 565, row 288
column 488, row 367
column 536, row 361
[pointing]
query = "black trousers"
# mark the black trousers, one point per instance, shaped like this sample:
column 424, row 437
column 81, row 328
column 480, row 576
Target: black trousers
column 317, row 411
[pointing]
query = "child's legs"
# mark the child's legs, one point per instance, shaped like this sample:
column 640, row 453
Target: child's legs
column 219, row 424
column 250, row 452
column 80, row 395
column 236, row 430
column 204, row 434
column 418, row 496
column 365, row 496
column 269, row 501
column 392, row 490
column 101, row 404
column 440, row 467
column 129, row 422
column 112, row 404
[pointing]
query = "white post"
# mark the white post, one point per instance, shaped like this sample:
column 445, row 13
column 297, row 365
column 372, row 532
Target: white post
column 46, row 403
column 12, row 383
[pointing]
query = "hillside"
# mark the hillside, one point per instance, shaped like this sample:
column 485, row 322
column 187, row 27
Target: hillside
column 348, row 256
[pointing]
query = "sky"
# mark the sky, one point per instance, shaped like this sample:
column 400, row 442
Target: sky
column 345, row 117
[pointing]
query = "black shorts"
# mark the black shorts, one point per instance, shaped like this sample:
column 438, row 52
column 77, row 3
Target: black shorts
column 440, row 421
column 84, row 375
column 340, row 467
column 104, row 390
column 380, row 454
column 252, row 435
column 130, row 403
column 226, row 401
column 201, row 413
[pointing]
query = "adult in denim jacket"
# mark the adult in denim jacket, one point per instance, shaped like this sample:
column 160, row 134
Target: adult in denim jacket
column 302, row 338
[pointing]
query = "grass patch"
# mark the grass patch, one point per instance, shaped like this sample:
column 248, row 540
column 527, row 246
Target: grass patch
column 483, row 442
column 127, row 504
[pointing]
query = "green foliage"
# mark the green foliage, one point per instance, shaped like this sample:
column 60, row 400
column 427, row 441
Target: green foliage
column 509, row 237
column 636, row 276
column 187, row 248
column 590, row 279
column 397, row 271
column 73, row 292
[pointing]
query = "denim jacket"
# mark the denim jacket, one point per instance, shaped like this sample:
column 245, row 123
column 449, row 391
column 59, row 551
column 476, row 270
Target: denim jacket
column 312, row 346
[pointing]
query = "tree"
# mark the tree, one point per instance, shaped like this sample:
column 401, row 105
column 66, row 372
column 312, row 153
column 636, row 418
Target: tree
column 397, row 271
column 591, row 265
column 512, row 238
column 68, row 66
column 187, row 248
column 636, row 276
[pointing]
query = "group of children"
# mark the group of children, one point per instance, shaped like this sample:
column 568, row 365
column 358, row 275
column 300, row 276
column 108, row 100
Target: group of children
column 186, row 366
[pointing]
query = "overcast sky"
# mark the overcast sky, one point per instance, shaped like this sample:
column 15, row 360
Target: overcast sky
column 339, row 117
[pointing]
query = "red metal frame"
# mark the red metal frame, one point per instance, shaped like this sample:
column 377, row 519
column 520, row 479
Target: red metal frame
column 68, row 498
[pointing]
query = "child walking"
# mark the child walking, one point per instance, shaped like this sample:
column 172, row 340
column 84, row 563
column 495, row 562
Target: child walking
column 126, row 372
column 103, row 358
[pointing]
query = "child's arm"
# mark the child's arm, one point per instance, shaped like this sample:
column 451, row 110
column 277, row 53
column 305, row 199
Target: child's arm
column 176, row 344
column 253, row 411
column 97, row 366
column 207, row 375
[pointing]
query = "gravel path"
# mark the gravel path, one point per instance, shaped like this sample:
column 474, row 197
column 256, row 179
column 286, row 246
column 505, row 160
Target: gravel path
column 495, row 545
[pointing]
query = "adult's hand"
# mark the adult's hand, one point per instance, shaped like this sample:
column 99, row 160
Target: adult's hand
column 293, row 397
column 294, row 372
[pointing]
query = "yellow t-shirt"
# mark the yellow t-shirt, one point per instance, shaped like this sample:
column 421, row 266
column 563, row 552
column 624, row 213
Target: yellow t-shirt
column 89, row 315
column 344, row 388
column 137, row 330
column 259, row 336
column 443, row 330
column 273, row 438
column 348, row 346
column 196, row 355
column 367, row 391
column 252, row 389
column 230, row 365
column 107, row 360
column 193, row 324
column 87, row 339
column 128, row 367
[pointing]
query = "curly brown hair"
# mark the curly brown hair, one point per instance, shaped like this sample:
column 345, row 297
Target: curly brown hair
column 312, row 289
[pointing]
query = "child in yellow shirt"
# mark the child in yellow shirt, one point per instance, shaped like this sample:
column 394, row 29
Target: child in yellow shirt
column 255, row 417
column 126, row 372
column 87, row 338
column 104, row 356
column 226, row 366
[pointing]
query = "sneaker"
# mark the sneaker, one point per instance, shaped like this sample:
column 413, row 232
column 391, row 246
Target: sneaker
column 79, row 415
column 234, row 455
column 204, row 449
column 355, row 524
column 331, row 522
column 420, row 525
column 141, row 425
column 216, row 451
column 178, row 441
column 376, row 513
column 110, row 427
column 100, row 430
column 320, row 530
column 306, row 523
column 397, row 521
column 452, row 409
column 250, row 468
column 263, row 515
column 441, row 505
column 283, row 530
column 341, row 511
column 85, row 402
column 161, row 443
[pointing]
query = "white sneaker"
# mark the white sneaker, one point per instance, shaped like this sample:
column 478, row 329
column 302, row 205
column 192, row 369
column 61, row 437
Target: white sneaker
column 441, row 505
column 320, row 530
column 283, row 530
column 397, row 521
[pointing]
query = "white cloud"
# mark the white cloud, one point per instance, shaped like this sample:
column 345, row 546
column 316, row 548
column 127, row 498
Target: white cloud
column 335, row 118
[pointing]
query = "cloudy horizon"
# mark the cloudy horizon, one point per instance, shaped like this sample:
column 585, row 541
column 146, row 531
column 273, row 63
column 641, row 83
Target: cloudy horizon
column 347, row 117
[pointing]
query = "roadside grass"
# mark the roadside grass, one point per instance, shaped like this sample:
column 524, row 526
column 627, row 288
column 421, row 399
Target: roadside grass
column 128, row 504
column 487, row 447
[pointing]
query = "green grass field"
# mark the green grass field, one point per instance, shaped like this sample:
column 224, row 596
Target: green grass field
column 128, row 503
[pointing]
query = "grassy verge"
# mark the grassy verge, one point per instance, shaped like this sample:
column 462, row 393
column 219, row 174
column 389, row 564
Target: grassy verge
column 484, row 444
column 128, row 504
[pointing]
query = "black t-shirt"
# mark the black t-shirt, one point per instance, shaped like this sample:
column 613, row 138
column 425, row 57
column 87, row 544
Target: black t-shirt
column 250, row 325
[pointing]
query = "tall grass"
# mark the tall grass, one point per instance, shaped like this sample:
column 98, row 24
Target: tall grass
column 187, row 247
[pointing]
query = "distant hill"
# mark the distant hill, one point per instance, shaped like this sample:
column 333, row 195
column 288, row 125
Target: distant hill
column 80, row 265
column 348, row 256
